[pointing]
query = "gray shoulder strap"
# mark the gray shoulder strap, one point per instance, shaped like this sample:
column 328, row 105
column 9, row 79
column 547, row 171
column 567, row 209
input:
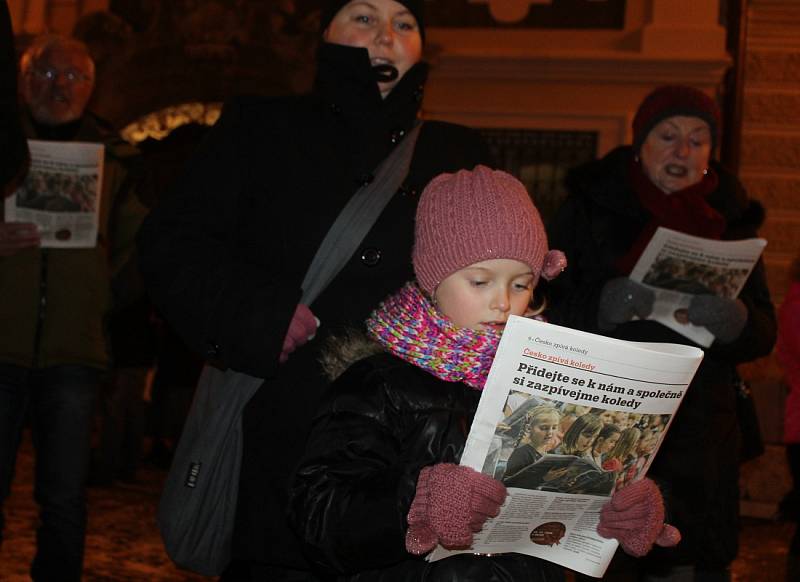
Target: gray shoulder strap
column 357, row 218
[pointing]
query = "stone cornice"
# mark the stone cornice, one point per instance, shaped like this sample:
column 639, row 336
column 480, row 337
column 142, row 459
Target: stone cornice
column 585, row 67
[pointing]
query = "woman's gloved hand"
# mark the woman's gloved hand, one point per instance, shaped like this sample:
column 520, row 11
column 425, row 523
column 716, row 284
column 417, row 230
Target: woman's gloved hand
column 635, row 517
column 302, row 328
column 452, row 502
column 724, row 318
column 620, row 300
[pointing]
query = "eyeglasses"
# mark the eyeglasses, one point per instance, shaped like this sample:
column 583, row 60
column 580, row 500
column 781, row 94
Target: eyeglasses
column 71, row 75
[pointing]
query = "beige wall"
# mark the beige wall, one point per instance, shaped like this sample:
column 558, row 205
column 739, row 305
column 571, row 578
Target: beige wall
column 770, row 152
column 575, row 79
column 770, row 164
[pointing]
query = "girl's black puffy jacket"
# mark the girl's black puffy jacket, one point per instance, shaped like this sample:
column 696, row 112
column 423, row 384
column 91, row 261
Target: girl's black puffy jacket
column 382, row 421
column 697, row 464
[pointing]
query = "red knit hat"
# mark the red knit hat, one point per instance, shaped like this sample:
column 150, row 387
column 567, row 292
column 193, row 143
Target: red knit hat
column 473, row 216
column 671, row 100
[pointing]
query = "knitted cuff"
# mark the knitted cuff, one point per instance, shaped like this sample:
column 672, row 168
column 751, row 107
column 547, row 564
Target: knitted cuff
column 452, row 502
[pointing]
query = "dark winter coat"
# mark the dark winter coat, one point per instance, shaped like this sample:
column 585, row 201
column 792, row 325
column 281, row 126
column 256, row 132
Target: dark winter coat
column 56, row 301
column 382, row 421
column 225, row 255
column 698, row 460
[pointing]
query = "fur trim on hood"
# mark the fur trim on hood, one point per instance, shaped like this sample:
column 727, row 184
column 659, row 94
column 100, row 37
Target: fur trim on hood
column 344, row 349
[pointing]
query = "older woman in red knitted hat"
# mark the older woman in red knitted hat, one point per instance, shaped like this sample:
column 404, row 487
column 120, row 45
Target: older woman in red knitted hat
column 668, row 177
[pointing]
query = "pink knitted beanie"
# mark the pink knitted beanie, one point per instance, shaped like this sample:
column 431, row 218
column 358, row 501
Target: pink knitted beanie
column 474, row 216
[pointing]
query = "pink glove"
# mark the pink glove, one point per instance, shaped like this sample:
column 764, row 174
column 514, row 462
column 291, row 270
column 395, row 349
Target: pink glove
column 451, row 503
column 301, row 329
column 635, row 517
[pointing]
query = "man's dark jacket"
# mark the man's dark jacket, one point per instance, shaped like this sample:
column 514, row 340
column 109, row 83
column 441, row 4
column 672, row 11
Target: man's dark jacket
column 225, row 255
column 56, row 301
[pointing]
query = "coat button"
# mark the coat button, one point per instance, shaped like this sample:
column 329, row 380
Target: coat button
column 397, row 135
column 370, row 256
column 212, row 351
column 335, row 109
column 407, row 191
column 365, row 179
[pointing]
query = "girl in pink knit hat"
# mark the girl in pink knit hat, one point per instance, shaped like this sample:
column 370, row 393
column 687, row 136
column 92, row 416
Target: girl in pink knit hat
column 379, row 485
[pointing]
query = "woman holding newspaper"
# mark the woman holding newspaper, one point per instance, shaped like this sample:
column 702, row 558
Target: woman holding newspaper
column 668, row 178
column 378, row 485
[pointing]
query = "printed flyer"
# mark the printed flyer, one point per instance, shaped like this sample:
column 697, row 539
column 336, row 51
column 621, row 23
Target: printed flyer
column 567, row 418
column 678, row 266
column 61, row 193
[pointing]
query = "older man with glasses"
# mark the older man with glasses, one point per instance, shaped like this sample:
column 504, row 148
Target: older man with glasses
column 54, row 304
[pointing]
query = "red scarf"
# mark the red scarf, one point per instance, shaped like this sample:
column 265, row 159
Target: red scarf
column 686, row 211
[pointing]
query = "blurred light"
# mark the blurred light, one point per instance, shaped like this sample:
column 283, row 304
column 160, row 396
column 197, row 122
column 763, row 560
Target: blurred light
column 159, row 124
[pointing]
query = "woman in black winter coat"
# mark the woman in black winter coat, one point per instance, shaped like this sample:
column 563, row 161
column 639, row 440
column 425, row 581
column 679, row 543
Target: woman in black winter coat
column 225, row 255
column 667, row 178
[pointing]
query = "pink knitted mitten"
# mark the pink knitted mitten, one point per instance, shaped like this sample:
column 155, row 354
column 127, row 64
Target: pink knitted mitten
column 452, row 502
column 301, row 329
column 635, row 517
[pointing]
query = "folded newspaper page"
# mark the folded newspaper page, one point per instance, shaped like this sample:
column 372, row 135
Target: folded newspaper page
column 567, row 418
column 678, row 266
column 61, row 193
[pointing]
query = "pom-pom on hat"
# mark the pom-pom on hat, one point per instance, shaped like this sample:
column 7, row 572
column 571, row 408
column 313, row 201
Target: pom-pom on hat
column 478, row 215
column 671, row 100
column 331, row 7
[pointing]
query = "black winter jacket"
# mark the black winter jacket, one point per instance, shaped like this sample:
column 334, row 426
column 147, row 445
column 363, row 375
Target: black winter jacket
column 382, row 421
column 225, row 255
column 698, row 460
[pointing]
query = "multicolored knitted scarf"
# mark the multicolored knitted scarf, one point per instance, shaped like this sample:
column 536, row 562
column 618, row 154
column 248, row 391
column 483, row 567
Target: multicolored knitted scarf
column 409, row 326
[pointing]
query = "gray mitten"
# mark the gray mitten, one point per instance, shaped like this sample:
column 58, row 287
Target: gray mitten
column 620, row 300
column 724, row 318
